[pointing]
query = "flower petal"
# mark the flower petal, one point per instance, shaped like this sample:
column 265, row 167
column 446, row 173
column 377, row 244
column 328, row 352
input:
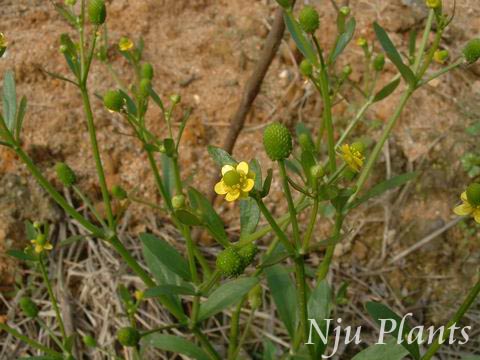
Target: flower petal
column 248, row 185
column 233, row 195
column 227, row 168
column 48, row 246
column 220, row 188
column 243, row 167
column 476, row 215
column 464, row 197
column 38, row 249
column 463, row 210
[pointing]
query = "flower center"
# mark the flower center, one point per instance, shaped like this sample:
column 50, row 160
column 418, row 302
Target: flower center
column 231, row 178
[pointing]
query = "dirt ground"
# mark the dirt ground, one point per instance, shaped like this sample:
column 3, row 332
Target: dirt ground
column 205, row 50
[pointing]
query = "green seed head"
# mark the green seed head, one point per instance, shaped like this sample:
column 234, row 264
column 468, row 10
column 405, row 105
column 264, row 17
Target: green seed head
column 309, row 19
column 473, row 194
column 229, row 263
column 231, row 178
column 247, row 253
column 28, row 307
column 379, row 62
column 97, row 12
column 147, row 71
column 119, row 192
column 358, row 146
column 277, row 141
column 306, row 68
column 89, row 341
column 65, row 174
column 317, row 171
column 471, row 51
column 128, row 336
column 145, row 86
column 178, row 201
column 286, row 4
column 113, row 100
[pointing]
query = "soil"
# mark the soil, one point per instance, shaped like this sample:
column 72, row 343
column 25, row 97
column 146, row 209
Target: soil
column 205, row 50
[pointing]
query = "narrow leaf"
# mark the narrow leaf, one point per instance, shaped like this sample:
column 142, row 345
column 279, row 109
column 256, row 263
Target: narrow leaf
column 176, row 345
column 221, row 157
column 9, row 100
column 390, row 350
column 169, row 289
column 249, row 216
column 20, row 255
column 22, row 109
column 187, row 218
column 343, row 40
column 302, row 42
column 319, row 307
column 386, row 91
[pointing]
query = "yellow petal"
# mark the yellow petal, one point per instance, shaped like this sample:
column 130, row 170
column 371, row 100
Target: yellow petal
column 38, row 249
column 227, row 168
column 48, row 246
column 248, row 185
column 463, row 210
column 33, row 241
column 243, row 167
column 233, row 195
column 220, row 188
column 476, row 215
column 464, row 197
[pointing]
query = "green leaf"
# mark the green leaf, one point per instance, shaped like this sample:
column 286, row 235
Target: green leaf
column 343, row 40
column 66, row 14
column 183, row 123
column 22, row 109
column 412, row 44
column 30, row 231
column 386, row 91
column 269, row 351
column 167, row 255
column 226, row 296
column 308, row 160
column 170, row 289
column 156, row 99
column 302, row 130
column 267, row 183
column 393, row 54
column 284, row 295
column 302, row 42
column 9, row 100
column 168, row 175
column 249, row 216
column 390, row 350
column 319, row 307
column 379, row 311
column 131, row 107
column 21, row 255
column 176, row 345
column 169, row 147
column 384, row 186
column 187, row 218
column 257, row 170
column 221, row 157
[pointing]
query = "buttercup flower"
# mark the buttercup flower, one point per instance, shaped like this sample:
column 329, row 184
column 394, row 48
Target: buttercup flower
column 236, row 182
column 41, row 244
column 125, row 44
column 353, row 155
column 470, row 203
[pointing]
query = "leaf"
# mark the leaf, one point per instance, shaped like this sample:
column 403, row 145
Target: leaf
column 226, row 296
column 249, row 216
column 169, row 289
column 67, row 15
column 267, row 183
column 284, row 295
column 167, row 255
column 379, row 311
column 269, row 351
column 302, row 130
column 221, row 157
column 131, row 107
column 168, row 175
column 187, row 218
column 170, row 147
column 257, row 170
column 183, row 123
column 30, row 230
column 20, row 255
column 156, row 99
column 384, row 186
column 412, row 44
column 319, row 307
column 302, row 42
column 393, row 54
column 386, row 91
column 308, row 161
column 22, row 109
column 343, row 40
column 390, row 350
column 9, row 100
column 176, row 345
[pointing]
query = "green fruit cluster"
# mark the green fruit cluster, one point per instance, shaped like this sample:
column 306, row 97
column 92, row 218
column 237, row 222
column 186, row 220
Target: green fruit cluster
column 113, row 100
column 277, row 141
column 471, row 51
column 231, row 262
column 309, row 19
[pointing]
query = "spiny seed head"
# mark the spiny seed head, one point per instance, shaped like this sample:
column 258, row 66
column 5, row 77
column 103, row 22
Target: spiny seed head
column 229, row 263
column 128, row 336
column 28, row 307
column 471, row 51
column 147, row 71
column 113, row 100
column 277, row 141
column 97, row 12
column 379, row 62
column 306, row 68
column 178, row 201
column 286, row 4
column 119, row 192
column 358, row 146
column 247, row 253
column 473, row 194
column 309, row 19
column 89, row 341
column 65, row 174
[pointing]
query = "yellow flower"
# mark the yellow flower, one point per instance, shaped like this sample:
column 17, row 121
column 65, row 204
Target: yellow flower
column 467, row 209
column 139, row 295
column 352, row 156
column 3, row 41
column 361, row 41
column 236, row 182
column 434, row 4
column 125, row 44
column 41, row 244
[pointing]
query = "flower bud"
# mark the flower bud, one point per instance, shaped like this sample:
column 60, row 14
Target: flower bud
column 97, row 12
column 471, row 51
column 317, row 171
column 473, row 194
column 65, row 174
column 147, row 71
column 125, row 44
column 89, row 341
column 178, row 201
column 175, row 99
column 113, row 100
column 277, row 141
column 229, row 263
column 145, row 86
column 434, row 4
column 440, row 56
column 347, row 70
column 309, row 19
column 128, row 336
column 362, row 42
column 28, row 307
column 306, row 68
column 286, row 4
column 345, row 11
column 379, row 62
column 247, row 253
column 118, row 192
column 139, row 295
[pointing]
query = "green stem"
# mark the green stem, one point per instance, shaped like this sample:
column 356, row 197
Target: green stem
column 30, row 342
column 467, row 303
column 89, row 205
column 51, row 334
column 302, row 298
column 441, row 72
column 327, row 260
column 291, row 205
column 354, row 122
column 234, row 330
column 431, row 54
column 244, row 334
column 311, row 226
column 423, row 44
column 206, row 344
column 327, row 119
column 209, row 283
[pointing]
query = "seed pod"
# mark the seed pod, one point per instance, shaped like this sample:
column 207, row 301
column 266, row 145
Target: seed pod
column 345, row 11
column 277, row 141
column 178, row 201
column 471, row 51
column 145, row 86
column 473, row 194
column 97, row 12
column 28, row 307
column 306, row 68
column 229, row 263
column 309, row 19
column 113, row 100
column 128, row 336
column 286, row 4
column 119, row 192
column 65, row 174
column 89, row 341
column 379, row 62
column 247, row 253
column 147, row 71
